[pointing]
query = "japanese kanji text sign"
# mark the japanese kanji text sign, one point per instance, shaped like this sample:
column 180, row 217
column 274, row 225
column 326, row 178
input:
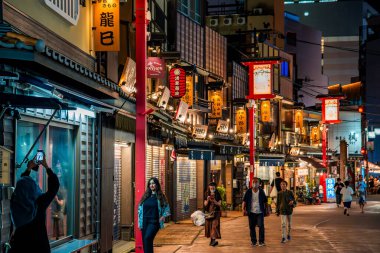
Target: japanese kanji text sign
column 106, row 25
column 177, row 79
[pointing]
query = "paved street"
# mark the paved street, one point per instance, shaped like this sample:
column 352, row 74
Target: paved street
column 321, row 228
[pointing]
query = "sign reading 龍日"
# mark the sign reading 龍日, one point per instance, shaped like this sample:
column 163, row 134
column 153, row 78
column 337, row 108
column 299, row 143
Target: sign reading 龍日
column 106, row 25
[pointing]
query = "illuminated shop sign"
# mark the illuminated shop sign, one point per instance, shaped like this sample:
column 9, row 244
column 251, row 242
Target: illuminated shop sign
column 106, row 25
column 177, row 79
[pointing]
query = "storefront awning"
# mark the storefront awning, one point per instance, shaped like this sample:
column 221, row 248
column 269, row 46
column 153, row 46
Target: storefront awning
column 271, row 161
column 198, row 154
column 313, row 162
column 24, row 101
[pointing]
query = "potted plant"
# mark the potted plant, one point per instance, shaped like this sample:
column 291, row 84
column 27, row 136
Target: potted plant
column 222, row 192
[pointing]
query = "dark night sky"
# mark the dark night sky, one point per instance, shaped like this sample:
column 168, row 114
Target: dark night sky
column 374, row 3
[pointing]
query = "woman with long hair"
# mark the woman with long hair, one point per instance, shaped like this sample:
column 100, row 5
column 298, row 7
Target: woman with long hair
column 152, row 211
column 212, row 204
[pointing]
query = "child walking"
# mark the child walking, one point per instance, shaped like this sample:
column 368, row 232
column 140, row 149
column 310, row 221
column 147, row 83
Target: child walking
column 347, row 197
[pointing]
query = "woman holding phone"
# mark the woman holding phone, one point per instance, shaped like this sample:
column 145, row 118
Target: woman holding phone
column 212, row 205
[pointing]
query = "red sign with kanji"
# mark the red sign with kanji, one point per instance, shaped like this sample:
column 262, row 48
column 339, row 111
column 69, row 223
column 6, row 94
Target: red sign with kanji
column 177, row 80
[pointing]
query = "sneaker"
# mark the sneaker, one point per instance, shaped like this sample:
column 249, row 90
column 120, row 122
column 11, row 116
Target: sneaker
column 261, row 244
column 288, row 237
column 283, row 240
column 345, row 211
column 254, row 244
column 348, row 214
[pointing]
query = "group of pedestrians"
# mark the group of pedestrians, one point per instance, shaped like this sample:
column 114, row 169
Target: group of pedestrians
column 344, row 192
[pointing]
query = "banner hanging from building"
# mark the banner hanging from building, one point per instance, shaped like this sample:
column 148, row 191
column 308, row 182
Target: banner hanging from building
column 188, row 98
column 181, row 112
column 106, row 25
column 330, row 109
column 241, row 121
column 128, row 78
column 200, row 131
column 315, row 135
column 163, row 101
column 299, row 121
column 155, row 67
column 266, row 111
column 177, row 81
column 217, row 103
column 222, row 126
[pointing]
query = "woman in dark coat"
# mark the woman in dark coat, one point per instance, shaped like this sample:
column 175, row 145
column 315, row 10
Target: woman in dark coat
column 28, row 212
column 212, row 203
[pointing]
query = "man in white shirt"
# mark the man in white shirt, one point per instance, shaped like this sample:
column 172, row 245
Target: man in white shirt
column 253, row 205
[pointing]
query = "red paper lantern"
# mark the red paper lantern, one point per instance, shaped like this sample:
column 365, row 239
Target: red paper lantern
column 177, row 80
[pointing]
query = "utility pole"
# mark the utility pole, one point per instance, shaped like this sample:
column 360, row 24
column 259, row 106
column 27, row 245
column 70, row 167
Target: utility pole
column 141, row 76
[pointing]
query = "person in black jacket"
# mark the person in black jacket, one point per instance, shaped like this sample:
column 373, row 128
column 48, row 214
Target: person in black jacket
column 253, row 205
column 28, row 211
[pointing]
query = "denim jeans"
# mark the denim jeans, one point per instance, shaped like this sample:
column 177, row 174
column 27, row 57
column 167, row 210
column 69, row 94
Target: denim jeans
column 149, row 231
column 256, row 219
column 286, row 225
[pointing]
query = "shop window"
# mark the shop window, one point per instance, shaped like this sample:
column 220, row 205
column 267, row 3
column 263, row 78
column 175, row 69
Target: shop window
column 59, row 148
column 191, row 9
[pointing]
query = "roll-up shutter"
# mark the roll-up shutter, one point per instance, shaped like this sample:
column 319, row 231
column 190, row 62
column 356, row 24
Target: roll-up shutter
column 155, row 164
column 117, row 193
column 186, row 199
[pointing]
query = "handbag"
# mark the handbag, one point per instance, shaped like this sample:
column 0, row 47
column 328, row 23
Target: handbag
column 209, row 215
column 267, row 210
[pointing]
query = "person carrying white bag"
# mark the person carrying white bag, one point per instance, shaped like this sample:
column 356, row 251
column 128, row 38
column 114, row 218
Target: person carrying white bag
column 275, row 187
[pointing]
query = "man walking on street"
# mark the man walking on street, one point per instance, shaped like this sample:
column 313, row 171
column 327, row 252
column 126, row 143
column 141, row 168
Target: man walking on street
column 285, row 205
column 338, row 187
column 253, row 205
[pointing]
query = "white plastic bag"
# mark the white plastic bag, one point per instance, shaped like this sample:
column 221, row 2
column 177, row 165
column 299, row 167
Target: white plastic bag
column 198, row 218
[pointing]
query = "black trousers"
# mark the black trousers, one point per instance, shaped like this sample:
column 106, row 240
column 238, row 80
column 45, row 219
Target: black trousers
column 256, row 219
column 149, row 231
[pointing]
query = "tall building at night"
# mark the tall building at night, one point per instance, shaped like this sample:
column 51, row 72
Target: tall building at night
column 340, row 33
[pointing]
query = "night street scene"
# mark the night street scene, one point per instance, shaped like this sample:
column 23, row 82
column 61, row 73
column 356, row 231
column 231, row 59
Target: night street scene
column 197, row 126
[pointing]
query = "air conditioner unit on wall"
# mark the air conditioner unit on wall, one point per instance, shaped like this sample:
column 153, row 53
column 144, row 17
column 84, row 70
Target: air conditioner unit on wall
column 227, row 21
column 257, row 11
column 214, row 22
column 240, row 20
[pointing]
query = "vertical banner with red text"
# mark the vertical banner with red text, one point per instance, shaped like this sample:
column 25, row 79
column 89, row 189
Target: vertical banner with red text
column 106, row 25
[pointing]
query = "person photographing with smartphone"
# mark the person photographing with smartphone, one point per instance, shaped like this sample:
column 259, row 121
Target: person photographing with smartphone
column 28, row 209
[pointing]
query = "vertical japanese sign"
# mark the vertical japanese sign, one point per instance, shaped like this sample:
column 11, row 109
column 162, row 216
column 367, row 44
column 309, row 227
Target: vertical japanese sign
column 177, row 80
column 222, row 126
column 330, row 192
column 128, row 77
column 262, row 79
column 241, row 121
column 163, row 101
column 188, row 98
column 106, row 25
column 181, row 112
column 266, row 111
column 217, row 103
column 315, row 135
column 299, row 121
column 331, row 111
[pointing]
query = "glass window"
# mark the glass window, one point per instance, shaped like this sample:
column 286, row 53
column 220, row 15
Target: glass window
column 285, row 69
column 60, row 155
column 191, row 9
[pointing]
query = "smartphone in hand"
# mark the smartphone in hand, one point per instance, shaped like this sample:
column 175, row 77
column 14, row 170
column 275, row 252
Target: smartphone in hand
column 39, row 158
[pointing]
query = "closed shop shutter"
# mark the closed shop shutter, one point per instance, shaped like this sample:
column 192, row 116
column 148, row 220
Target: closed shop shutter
column 155, row 164
column 186, row 200
column 86, row 175
column 117, row 193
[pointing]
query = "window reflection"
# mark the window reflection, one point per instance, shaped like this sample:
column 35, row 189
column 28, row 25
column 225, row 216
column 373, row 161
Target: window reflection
column 60, row 155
